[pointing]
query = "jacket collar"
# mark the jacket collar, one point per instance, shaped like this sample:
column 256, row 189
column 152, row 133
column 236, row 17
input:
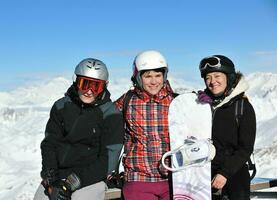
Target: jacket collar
column 241, row 87
column 163, row 93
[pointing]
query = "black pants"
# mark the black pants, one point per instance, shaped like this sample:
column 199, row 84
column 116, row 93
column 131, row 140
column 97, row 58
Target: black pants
column 237, row 187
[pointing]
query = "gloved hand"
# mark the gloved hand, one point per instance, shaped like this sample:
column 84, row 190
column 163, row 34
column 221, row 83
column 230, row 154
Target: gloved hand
column 203, row 97
column 62, row 190
column 115, row 180
column 50, row 177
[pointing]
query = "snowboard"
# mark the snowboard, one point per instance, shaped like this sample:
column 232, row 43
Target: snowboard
column 189, row 118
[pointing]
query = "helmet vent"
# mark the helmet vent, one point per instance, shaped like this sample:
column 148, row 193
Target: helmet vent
column 92, row 68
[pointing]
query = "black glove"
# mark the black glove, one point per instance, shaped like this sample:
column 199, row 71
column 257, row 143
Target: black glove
column 63, row 189
column 115, row 180
column 60, row 191
column 50, row 177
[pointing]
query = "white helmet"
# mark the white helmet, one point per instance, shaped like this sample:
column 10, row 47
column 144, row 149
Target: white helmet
column 148, row 60
column 91, row 68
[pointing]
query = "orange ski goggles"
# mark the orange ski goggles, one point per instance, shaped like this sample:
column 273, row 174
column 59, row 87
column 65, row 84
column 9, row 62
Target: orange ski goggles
column 85, row 84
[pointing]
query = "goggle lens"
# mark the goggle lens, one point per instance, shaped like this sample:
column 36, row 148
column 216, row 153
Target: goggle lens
column 211, row 62
column 85, row 84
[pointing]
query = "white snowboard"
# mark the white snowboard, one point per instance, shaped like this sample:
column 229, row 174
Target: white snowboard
column 189, row 118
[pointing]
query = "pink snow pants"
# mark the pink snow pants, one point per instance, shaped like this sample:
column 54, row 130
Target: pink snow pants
column 136, row 190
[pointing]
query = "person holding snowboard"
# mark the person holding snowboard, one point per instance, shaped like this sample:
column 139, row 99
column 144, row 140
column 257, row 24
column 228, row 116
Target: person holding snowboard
column 83, row 138
column 145, row 110
column 233, row 126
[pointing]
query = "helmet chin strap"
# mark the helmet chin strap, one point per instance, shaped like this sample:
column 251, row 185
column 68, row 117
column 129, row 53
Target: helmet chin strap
column 137, row 80
column 219, row 95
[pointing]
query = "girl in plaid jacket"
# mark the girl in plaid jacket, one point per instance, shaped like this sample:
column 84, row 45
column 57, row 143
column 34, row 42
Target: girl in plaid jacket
column 146, row 129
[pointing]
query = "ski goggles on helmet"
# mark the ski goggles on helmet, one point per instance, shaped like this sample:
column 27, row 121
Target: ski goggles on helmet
column 212, row 61
column 85, row 84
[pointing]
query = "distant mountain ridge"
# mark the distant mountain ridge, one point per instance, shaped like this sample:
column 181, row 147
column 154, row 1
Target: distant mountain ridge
column 24, row 113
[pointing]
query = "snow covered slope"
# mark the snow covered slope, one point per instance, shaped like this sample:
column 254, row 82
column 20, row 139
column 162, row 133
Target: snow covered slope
column 24, row 113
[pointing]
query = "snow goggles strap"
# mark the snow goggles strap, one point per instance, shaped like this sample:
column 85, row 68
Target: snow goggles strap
column 212, row 61
column 85, row 84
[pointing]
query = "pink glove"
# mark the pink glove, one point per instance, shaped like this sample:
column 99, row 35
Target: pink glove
column 203, row 97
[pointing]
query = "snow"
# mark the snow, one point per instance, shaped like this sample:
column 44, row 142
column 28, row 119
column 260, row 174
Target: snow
column 24, row 113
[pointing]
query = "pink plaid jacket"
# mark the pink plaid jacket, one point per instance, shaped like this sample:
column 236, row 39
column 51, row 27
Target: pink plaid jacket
column 146, row 134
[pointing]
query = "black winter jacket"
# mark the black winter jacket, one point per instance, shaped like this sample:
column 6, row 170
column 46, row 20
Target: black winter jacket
column 234, row 141
column 79, row 137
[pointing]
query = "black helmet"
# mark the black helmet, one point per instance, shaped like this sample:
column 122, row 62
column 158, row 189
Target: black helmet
column 216, row 63
column 219, row 63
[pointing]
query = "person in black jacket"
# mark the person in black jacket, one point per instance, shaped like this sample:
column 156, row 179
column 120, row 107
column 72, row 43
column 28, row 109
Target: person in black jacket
column 83, row 138
column 233, row 137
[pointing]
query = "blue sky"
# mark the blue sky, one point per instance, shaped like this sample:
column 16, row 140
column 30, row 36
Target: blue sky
column 42, row 39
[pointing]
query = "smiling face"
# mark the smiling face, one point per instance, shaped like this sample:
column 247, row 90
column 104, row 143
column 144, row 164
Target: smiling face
column 86, row 97
column 216, row 82
column 152, row 81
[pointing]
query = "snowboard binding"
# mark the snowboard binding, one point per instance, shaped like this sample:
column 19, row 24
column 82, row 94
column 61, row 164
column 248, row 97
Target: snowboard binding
column 192, row 153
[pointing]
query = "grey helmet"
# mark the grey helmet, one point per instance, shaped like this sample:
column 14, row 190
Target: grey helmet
column 91, row 68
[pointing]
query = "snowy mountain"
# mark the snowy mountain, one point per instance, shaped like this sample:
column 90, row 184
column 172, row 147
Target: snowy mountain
column 24, row 113
column 263, row 95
